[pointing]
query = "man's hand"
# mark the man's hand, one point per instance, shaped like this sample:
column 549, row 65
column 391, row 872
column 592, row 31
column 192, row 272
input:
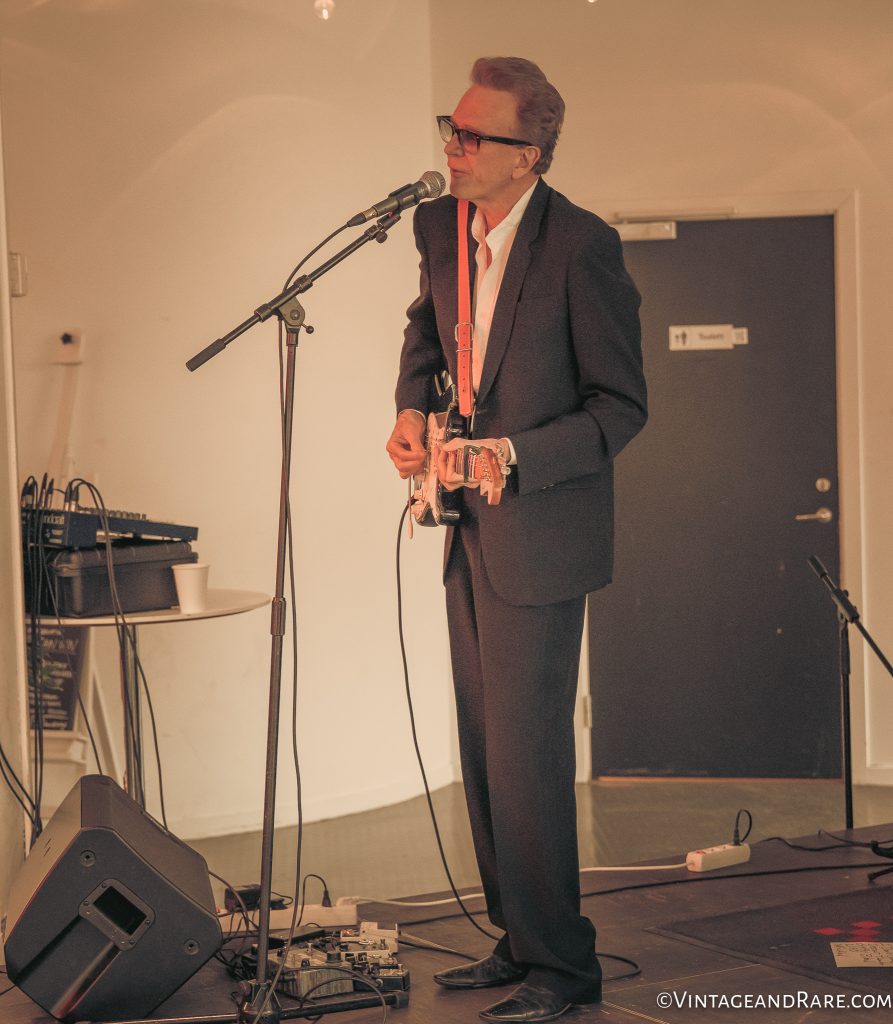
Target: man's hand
column 406, row 445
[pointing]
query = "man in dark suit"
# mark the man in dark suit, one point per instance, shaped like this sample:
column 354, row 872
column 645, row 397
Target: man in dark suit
column 559, row 392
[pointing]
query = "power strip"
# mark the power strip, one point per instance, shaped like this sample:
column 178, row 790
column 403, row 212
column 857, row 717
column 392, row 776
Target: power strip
column 717, row 857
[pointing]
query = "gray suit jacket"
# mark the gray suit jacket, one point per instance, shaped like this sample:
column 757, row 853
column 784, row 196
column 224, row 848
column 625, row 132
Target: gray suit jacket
column 562, row 378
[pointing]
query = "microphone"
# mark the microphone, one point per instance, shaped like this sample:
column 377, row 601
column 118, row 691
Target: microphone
column 429, row 186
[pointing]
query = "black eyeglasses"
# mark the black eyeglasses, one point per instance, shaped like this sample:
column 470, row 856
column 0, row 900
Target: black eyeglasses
column 471, row 141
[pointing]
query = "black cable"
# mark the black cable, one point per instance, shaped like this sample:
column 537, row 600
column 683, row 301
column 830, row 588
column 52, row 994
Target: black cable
column 302, row 1000
column 722, row 878
column 879, row 847
column 407, row 939
column 312, row 252
column 869, row 844
column 610, row 956
column 86, row 717
column 415, row 738
column 38, row 499
column 121, row 625
column 806, row 849
column 142, row 677
column 127, row 646
column 20, row 792
column 38, row 563
column 44, row 497
column 5, row 767
column 636, row 969
column 233, row 962
column 297, row 908
column 285, row 446
column 54, row 600
column 841, row 843
column 736, row 841
column 326, row 898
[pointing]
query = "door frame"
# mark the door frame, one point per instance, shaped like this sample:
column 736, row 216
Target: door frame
column 870, row 766
column 14, row 697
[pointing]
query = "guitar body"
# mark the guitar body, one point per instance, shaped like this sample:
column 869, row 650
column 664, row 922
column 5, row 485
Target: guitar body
column 432, row 504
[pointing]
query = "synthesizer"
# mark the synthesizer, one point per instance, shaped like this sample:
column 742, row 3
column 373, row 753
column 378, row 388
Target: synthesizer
column 89, row 527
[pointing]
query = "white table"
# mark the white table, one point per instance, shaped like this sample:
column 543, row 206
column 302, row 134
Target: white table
column 220, row 603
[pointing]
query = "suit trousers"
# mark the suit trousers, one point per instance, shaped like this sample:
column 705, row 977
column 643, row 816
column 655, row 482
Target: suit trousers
column 515, row 674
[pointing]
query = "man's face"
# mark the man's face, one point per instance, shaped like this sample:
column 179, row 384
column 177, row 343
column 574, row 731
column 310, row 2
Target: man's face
column 489, row 176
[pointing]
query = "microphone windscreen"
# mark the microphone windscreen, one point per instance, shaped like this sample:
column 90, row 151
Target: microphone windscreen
column 434, row 183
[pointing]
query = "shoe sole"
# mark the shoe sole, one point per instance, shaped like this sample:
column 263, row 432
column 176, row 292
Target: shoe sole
column 480, row 984
column 528, row 1020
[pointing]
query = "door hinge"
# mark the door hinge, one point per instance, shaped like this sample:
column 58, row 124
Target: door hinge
column 586, row 710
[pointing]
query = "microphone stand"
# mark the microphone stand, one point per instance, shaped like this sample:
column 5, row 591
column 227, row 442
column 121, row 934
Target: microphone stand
column 846, row 613
column 260, row 1004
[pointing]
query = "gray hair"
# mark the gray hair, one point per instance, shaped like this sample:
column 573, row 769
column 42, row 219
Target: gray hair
column 540, row 106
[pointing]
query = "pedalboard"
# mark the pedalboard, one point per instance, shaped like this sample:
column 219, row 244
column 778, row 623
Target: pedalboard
column 338, row 963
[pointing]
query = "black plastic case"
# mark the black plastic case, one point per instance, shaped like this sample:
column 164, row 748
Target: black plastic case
column 142, row 571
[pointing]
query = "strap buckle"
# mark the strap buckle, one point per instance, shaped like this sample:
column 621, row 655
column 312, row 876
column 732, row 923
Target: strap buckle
column 464, row 331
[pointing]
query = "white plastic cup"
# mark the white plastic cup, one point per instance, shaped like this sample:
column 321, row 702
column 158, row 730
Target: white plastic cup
column 191, row 579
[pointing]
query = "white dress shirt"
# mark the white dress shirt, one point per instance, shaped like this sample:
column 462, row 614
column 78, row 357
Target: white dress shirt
column 491, row 258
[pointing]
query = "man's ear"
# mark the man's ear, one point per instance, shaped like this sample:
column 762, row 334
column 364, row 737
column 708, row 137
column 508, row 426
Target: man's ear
column 527, row 159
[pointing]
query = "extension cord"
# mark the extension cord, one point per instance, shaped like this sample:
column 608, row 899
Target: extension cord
column 717, row 857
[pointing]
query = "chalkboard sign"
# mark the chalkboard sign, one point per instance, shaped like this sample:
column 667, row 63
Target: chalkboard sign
column 60, row 663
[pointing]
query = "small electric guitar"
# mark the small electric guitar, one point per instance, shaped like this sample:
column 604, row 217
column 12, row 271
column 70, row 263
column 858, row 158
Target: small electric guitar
column 432, row 504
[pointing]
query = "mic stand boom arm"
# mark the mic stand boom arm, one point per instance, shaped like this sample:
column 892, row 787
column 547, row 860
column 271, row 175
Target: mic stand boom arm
column 260, row 1003
column 291, row 313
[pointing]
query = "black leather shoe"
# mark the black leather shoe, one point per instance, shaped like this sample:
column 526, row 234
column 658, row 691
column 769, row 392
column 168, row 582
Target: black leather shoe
column 528, row 1003
column 486, row 973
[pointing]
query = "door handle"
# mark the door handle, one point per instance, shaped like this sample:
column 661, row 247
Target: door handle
column 823, row 515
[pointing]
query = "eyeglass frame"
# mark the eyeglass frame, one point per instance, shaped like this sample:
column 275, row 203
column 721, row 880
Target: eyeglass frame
column 457, row 132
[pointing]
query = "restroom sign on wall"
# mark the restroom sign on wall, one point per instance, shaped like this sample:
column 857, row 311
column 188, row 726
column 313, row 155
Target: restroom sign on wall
column 698, row 337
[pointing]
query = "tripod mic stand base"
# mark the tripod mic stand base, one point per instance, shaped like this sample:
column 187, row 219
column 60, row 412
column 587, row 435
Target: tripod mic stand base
column 259, row 1003
column 254, row 997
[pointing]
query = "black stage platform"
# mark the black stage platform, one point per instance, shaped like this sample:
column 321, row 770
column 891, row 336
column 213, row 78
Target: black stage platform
column 714, row 973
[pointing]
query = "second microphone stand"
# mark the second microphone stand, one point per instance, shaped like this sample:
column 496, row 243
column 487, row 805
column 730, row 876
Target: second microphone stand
column 847, row 614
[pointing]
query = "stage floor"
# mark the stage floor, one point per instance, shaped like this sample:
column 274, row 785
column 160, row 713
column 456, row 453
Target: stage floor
column 681, row 981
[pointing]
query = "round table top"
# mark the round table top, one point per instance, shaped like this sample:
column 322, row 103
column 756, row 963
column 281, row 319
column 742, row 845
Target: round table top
column 220, row 602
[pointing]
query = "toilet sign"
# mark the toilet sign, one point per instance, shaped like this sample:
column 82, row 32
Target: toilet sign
column 699, row 337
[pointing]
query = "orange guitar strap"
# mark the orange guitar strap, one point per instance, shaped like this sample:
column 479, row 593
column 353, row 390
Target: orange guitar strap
column 464, row 327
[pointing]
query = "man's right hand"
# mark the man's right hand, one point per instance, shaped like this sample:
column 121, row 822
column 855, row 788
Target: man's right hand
column 406, row 445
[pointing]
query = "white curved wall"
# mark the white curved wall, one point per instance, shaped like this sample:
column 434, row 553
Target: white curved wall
column 168, row 164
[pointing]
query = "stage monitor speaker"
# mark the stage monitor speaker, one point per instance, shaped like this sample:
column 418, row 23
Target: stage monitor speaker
column 110, row 914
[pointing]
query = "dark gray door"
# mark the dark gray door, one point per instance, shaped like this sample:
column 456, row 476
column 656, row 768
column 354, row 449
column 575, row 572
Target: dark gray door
column 714, row 651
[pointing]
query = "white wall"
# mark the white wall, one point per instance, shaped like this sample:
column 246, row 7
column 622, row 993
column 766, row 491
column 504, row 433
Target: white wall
column 158, row 181
column 690, row 103
column 168, row 164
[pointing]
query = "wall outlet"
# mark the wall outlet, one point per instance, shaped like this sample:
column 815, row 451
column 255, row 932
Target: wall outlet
column 71, row 348
column 18, row 274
